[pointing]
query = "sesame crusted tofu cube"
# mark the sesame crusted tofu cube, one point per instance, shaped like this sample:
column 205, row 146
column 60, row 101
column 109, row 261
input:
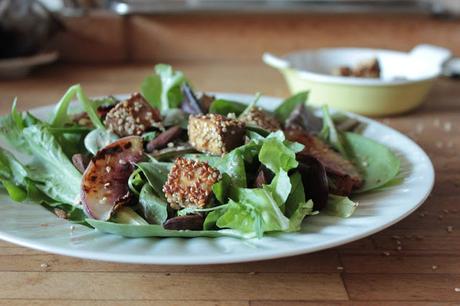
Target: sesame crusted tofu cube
column 215, row 134
column 189, row 183
column 132, row 117
column 258, row 117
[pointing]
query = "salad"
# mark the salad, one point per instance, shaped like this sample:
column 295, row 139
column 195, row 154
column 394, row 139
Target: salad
column 168, row 162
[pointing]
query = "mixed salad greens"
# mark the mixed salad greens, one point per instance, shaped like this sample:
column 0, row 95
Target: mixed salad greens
column 168, row 163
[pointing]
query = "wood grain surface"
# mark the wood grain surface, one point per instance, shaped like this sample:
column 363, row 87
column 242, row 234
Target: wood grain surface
column 371, row 271
column 242, row 37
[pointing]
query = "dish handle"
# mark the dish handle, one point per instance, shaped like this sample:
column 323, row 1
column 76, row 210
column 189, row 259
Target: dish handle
column 275, row 61
column 434, row 54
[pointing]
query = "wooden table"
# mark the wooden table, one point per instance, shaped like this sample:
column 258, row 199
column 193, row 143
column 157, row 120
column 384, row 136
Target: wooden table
column 371, row 271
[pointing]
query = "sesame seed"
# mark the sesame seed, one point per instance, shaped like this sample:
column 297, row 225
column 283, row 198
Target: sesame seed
column 108, row 169
column 450, row 229
column 340, row 268
column 122, row 162
column 44, row 265
column 386, row 253
column 457, row 289
column 434, row 267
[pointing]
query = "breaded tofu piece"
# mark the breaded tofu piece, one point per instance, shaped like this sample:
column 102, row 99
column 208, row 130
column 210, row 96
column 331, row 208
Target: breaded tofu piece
column 132, row 117
column 258, row 117
column 215, row 134
column 189, row 183
column 368, row 69
column 343, row 174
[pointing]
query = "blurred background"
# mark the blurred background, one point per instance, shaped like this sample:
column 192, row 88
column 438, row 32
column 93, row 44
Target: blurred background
column 110, row 31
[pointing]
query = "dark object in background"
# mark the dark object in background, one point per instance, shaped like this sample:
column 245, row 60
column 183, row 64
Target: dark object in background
column 25, row 27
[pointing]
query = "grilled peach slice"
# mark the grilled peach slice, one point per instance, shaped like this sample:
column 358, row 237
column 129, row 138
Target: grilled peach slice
column 105, row 181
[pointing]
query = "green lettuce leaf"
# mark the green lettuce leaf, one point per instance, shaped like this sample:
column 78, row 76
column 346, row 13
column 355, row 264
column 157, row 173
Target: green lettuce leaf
column 97, row 139
column 284, row 110
column 163, row 89
column 15, row 192
column 175, row 116
column 340, row 206
column 278, row 154
column 225, row 107
column 331, row 135
column 11, row 127
column 378, row 164
column 151, row 90
column 153, row 230
column 156, row 173
column 302, row 210
column 211, row 219
column 221, row 188
column 74, row 214
column 254, row 212
column 259, row 210
column 15, row 179
column 296, row 196
column 61, row 115
column 251, row 105
column 280, row 188
column 127, row 215
column 11, row 169
column 232, row 163
column 51, row 170
column 13, row 176
column 154, row 208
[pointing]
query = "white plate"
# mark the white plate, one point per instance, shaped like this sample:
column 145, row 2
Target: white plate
column 32, row 226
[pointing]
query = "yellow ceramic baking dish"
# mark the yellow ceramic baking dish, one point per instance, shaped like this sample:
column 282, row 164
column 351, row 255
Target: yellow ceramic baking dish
column 405, row 80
